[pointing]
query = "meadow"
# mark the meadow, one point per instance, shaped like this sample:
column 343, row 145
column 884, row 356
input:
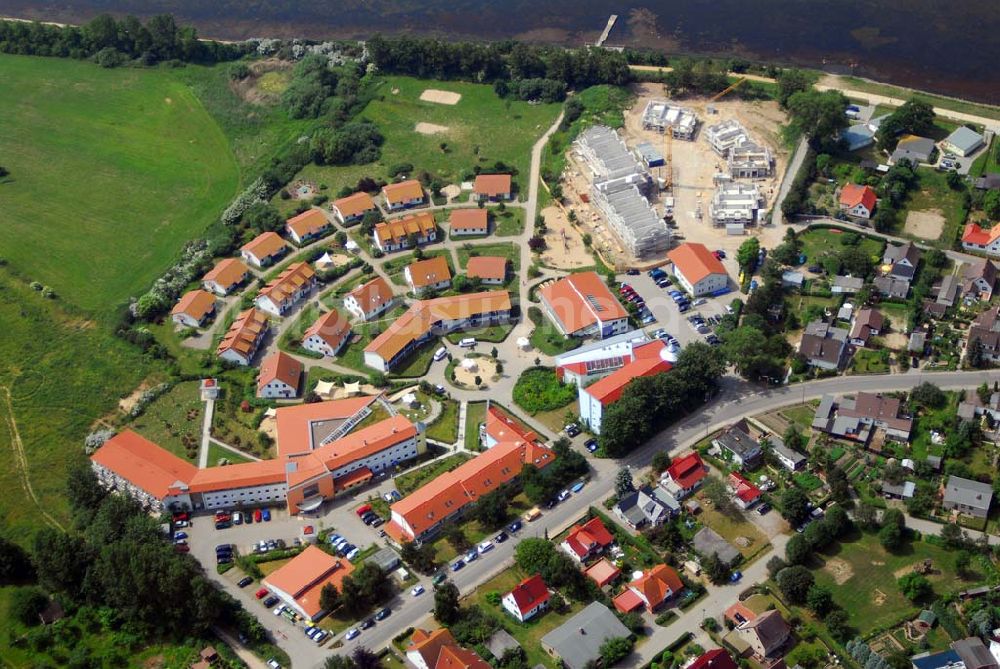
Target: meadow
column 111, row 171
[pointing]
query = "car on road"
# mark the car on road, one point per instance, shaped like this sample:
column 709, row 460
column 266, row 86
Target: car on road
column 578, row 486
column 563, row 496
column 244, row 582
column 471, row 556
column 485, row 547
column 457, row 564
column 515, row 526
column 439, row 578
column 417, row 590
column 735, row 577
column 500, row 538
column 367, row 623
column 763, row 509
column 261, row 594
column 383, row 613
column 266, row 515
column 352, row 633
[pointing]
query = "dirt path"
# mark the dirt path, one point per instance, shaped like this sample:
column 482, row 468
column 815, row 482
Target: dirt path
column 21, row 458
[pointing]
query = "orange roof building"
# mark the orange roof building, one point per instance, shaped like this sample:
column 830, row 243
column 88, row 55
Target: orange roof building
column 501, row 426
column 656, row 586
column 284, row 291
column 648, row 359
column 300, row 582
column 404, row 194
column 424, row 511
column 698, row 270
column 194, row 309
column 492, row 187
column 240, row 342
column 130, row 463
column 369, row 299
column 581, row 305
column 428, row 274
column 328, row 334
column 353, row 207
column 439, row 650
column 469, row 222
column 264, row 249
column 402, row 233
column 858, row 201
column 975, row 238
column 279, row 377
column 603, row 573
column 491, row 270
column 226, row 276
column 309, row 225
column 426, row 318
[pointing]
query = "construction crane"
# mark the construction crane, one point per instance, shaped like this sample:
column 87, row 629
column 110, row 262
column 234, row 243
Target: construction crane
column 736, row 84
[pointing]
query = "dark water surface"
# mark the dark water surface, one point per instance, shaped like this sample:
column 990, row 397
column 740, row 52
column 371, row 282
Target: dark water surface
column 948, row 46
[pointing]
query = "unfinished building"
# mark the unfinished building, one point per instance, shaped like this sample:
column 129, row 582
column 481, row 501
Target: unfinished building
column 662, row 115
column 724, row 136
column 619, row 187
column 750, row 161
column 735, row 205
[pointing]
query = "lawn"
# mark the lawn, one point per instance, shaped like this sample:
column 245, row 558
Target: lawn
column 546, row 338
column 862, row 576
column 932, row 192
column 817, row 242
column 482, row 129
column 539, row 389
column 493, row 334
column 509, row 223
column 731, row 528
column 174, row 420
column 445, row 426
column 988, row 162
column 504, row 249
column 410, row 481
column 112, row 170
column 216, row 452
column 475, row 414
column 802, row 415
column 808, row 481
column 869, row 361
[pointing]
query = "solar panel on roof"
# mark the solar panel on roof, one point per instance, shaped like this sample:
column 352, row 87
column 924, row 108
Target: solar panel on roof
column 603, row 364
column 594, row 303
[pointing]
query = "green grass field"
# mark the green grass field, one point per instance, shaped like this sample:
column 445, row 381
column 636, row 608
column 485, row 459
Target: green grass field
column 174, row 420
column 112, row 170
column 475, row 414
column 411, row 480
column 481, row 130
column 867, row 361
column 445, row 427
column 503, row 249
column 933, row 193
column 816, row 242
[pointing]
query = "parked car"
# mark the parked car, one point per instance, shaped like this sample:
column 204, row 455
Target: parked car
column 320, row 636
column 353, row 554
column 572, row 429
column 578, row 486
column 457, row 564
column 367, row 623
column 256, row 515
column 500, row 538
column 181, row 516
column 266, row 515
column 182, row 523
column 485, row 547
column 244, row 582
column 352, row 633
column 383, row 613
column 248, row 518
column 271, row 601
column 632, row 272
column 273, row 664
column 417, row 590
column 515, row 526
column 591, row 445
column 180, row 535
column 439, row 578
column 563, row 496
column 471, row 556
column 763, row 508
column 261, row 594
column 237, row 518
column 363, row 509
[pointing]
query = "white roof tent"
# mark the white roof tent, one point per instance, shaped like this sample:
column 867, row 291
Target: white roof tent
column 660, row 115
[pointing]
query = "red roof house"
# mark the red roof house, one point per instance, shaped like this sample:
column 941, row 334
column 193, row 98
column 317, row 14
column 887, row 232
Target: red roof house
column 685, row 475
column 656, row 586
column 745, row 492
column 602, row 572
column 717, row 658
column 588, row 540
column 528, row 598
column 858, row 201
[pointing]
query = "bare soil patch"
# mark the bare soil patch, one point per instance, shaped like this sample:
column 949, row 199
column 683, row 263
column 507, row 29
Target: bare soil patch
column 840, row 570
column 928, row 224
column 451, row 191
column 425, row 128
column 564, row 245
column 485, row 368
column 267, row 81
column 878, row 597
column 440, row 97
column 126, row 404
column 896, row 340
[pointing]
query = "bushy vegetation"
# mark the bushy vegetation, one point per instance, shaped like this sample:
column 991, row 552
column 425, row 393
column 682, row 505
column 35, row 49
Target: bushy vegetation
column 539, row 389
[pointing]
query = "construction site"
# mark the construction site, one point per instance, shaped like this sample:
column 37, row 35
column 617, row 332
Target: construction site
column 703, row 169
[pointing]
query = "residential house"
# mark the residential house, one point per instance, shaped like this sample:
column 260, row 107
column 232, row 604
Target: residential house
column 902, row 259
column 652, row 589
column 684, row 475
column 225, row 277
column 587, row 541
column 947, row 290
column 963, row 141
column 528, row 598
column 439, row 650
column 979, row 279
column 287, row 289
column 792, row 279
column 986, row 329
column 858, row 201
column 975, row 238
column 846, row 285
column 917, row 342
column 645, row 506
column 406, row 232
column 745, row 493
column 468, row 222
column 194, row 309
column 915, row 149
column 971, row 498
column 854, row 418
column 404, row 194
column 891, row 287
column 902, row 491
column 490, row 270
column 698, row 270
column 577, row 642
column 717, row 658
column 280, row 377
column 766, row 634
column 741, row 448
column 824, row 346
column 707, row 541
column 328, row 334
column 428, row 274
column 945, row 659
column 974, row 653
column 867, row 323
column 307, row 226
column 492, row 187
column 240, row 343
column 789, row 458
column 370, row 299
column 353, row 208
column 264, row 249
column 581, row 305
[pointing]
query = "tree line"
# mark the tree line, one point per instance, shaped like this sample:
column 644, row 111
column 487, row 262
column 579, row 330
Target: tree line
column 113, row 42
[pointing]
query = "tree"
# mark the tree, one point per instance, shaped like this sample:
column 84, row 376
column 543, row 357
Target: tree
column 838, row 520
column 991, row 204
column 491, row 509
column 915, row 587
column 363, row 658
column 623, row 483
column 454, row 535
column 615, row 650
column 795, row 582
column 928, row 395
column 329, row 598
column 61, row 561
column 866, row 516
column 838, row 625
column 775, row 564
column 533, row 554
column 747, row 254
column 794, row 438
column 953, row 535
column 716, row 569
column 790, row 82
column 661, row 460
column 963, row 560
column 15, row 564
column 819, row 600
column 446, row 609
column 536, row 243
column 818, row 116
column 338, row 662
column 715, row 491
column 976, row 354
column 818, row 534
column 794, row 506
column 891, row 537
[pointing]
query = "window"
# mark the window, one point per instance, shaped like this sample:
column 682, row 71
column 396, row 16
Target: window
column 311, row 491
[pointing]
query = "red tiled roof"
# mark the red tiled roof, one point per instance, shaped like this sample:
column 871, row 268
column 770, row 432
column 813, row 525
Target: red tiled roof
column 372, row 294
column 717, row 658
column 492, row 185
column 290, row 281
column 144, row 464
column 609, row 389
column 487, row 267
column 583, row 539
column 628, row 601
column 241, row 475
column 580, row 300
column 658, row 584
column 688, row 470
column 602, row 572
column 404, row 191
column 307, row 223
column 695, row 262
column 529, row 593
column 428, row 272
column 244, row 333
column 355, row 204
column 305, row 575
column 264, row 245
column 397, row 229
column 332, row 327
column 468, row 218
column 282, row 367
column 293, row 424
column 976, row 235
column 852, row 195
column 227, row 273
column 195, row 303
column 743, row 488
column 503, row 427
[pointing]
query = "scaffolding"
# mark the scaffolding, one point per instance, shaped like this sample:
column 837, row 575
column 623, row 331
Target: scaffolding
column 664, row 116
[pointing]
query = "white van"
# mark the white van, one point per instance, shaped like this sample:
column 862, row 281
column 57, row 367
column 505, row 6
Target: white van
column 468, row 342
column 440, row 354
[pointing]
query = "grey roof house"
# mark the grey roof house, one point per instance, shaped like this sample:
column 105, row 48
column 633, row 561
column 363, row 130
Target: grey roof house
column 902, row 490
column 948, row 291
column 963, row 141
column 915, row 149
column 971, row 498
column 744, row 450
column 890, row 286
column 846, row 285
column 823, row 345
column 792, row 460
column 979, row 280
column 902, row 259
column 577, row 642
column 645, row 507
column 707, row 541
column 974, row 653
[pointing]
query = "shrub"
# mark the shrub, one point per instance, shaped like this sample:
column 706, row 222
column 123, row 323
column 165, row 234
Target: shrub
column 539, row 389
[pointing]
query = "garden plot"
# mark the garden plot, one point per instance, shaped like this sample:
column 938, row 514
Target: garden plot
column 927, row 224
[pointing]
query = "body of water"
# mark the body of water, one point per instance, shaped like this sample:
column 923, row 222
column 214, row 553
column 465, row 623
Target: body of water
column 947, row 46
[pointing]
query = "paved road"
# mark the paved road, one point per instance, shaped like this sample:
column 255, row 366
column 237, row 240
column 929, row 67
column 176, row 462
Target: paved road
column 794, row 165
